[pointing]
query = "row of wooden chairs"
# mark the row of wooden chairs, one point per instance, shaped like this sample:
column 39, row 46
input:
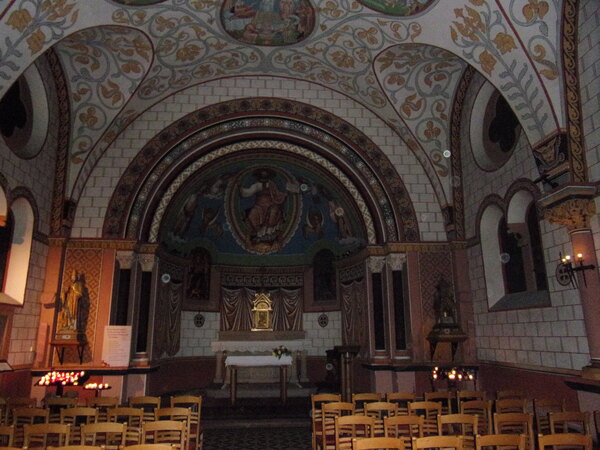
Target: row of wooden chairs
column 110, row 435
column 326, row 407
column 100, row 447
column 497, row 441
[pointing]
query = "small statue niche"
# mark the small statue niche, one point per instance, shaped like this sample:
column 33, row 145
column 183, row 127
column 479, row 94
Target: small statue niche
column 262, row 313
column 444, row 304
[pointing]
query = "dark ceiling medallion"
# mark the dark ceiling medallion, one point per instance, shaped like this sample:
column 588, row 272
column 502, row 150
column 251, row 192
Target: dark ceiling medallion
column 323, row 320
column 402, row 8
column 271, row 23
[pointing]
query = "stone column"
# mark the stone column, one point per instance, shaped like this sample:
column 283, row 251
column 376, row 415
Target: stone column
column 574, row 212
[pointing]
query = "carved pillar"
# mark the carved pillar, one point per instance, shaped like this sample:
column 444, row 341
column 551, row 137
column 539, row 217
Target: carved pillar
column 143, row 311
column 574, row 212
column 379, row 328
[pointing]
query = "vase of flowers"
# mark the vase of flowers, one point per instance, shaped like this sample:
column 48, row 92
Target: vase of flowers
column 281, row 351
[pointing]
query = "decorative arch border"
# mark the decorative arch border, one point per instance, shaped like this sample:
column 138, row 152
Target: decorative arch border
column 353, row 150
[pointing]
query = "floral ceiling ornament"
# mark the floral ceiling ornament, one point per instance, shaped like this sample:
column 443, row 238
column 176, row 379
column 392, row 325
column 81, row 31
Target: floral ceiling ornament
column 403, row 8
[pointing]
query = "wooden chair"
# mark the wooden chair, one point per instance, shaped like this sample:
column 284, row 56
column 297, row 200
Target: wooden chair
column 438, row 442
column 329, row 411
column 194, row 403
column 401, row 400
column 378, row 443
column 444, row 397
column 501, row 441
column 41, row 435
column 481, row 408
column 510, row 393
column 3, row 411
column 467, row 396
column 511, row 405
column 133, row 417
column 77, row 447
column 55, row 404
column 147, row 403
column 569, row 422
column 26, row 416
column 7, row 435
column 379, row 411
column 109, row 435
column 76, row 417
column 164, row 432
column 148, row 447
column 565, row 440
column 541, row 408
column 429, row 411
column 464, row 425
column 404, row 427
column 13, row 403
column 316, row 401
column 360, row 399
column 102, row 405
column 353, row 426
column 178, row 413
column 515, row 423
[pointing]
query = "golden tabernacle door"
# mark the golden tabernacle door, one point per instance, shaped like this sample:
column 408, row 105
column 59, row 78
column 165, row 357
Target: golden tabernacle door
column 262, row 313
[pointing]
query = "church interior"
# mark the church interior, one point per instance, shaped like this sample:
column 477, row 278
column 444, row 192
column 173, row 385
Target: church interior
column 359, row 196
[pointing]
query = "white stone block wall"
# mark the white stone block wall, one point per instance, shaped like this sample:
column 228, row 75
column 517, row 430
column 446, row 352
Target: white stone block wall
column 100, row 185
column 196, row 341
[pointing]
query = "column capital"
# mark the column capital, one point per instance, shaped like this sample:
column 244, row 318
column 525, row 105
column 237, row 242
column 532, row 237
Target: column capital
column 572, row 206
column 376, row 264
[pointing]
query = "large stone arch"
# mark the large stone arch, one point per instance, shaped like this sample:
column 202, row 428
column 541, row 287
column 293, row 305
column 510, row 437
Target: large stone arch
column 293, row 122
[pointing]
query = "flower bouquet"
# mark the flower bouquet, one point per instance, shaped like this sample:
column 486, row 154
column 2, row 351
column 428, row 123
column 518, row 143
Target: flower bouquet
column 281, row 351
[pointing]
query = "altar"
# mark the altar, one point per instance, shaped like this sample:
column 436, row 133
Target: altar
column 296, row 372
column 233, row 363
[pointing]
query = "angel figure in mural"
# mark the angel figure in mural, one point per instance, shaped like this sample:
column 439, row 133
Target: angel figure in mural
column 265, row 217
column 70, row 303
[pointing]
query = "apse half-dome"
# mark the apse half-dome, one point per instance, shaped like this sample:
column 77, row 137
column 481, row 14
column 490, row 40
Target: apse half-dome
column 262, row 205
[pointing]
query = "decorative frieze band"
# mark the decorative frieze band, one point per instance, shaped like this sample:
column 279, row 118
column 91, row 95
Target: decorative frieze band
column 574, row 213
column 262, row 280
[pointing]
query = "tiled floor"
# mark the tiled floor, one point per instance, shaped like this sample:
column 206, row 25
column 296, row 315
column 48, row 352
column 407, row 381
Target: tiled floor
column 257, row 424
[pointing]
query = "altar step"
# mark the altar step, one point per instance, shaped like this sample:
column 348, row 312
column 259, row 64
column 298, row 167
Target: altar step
column 260, row 390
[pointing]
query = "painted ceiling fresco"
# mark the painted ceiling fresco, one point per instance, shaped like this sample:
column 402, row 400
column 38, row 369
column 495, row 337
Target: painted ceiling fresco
column 261, row 206
column 402, row 64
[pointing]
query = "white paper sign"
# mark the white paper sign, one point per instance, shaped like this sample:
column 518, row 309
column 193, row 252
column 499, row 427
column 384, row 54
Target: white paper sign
column 117, row 345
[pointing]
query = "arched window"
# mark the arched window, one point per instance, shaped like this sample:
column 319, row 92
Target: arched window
column 6, row 234
column 513, row 258
column 15, row 278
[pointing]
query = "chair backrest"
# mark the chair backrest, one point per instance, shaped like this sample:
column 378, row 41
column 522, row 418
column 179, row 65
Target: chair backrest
column 7, row 434
column 401, row 400
column 359, row 400
column 437, row 442
column 404, row 427
column 515, row 423
column 569, row 422
column 465, row 396
column 444, row 397
column 164, row 431
column 350, row 427
column 78, row 415
column 178, row 413
column 316, row 402
column 76, row 447
column 517, row 441
column 569, row 440
column 44, row 434
column 541, row 408
column 148, row 447
column 329, row 411
column 481, row 408
column 379, row 411
column 510, row 393
column 56, row 404
column 107, row 434
column 147, row 403
column 29, row 415
column 102, row 404
column 511, row 405
column 429, row 410
column 378, row 443
column 133, row 417
column 457, row 424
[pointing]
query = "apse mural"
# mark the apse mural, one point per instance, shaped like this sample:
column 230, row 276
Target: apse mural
column 261, row 209
column 268, row 22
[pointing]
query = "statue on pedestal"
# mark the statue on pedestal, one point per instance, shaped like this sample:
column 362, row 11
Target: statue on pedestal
column 69, row 314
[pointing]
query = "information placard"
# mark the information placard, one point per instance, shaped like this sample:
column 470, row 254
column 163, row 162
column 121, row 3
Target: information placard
column 117, row 345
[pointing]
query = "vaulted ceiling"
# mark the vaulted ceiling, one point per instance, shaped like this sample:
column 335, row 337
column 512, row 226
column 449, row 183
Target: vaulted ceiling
column 401, row 59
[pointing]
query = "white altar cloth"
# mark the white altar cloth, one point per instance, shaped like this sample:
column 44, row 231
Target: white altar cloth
column 258, row 346
column 258, row 360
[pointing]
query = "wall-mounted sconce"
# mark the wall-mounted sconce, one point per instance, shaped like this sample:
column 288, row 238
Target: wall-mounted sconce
column 565, row 271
